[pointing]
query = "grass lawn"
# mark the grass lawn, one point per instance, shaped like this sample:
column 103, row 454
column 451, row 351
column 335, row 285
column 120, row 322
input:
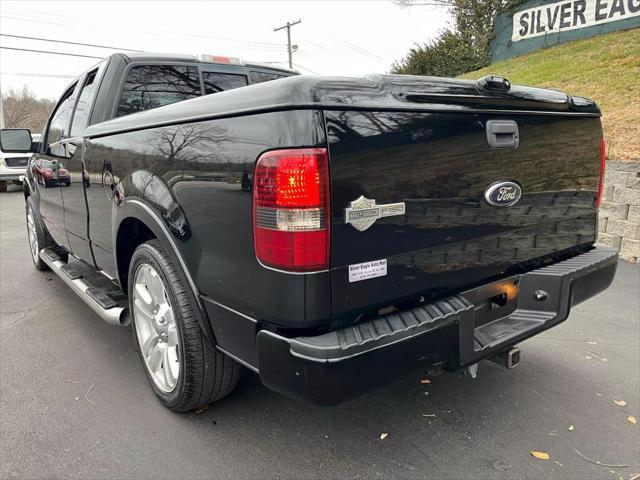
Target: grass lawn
column 605, row 68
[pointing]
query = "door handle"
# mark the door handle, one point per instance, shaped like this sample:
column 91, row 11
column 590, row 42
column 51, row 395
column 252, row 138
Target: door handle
column 503, row 134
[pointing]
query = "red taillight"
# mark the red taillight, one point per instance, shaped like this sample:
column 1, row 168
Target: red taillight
column 603, row 159
column 291, row 209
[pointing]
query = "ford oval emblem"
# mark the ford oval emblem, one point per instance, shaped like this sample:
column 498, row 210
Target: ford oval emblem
column 503, row 194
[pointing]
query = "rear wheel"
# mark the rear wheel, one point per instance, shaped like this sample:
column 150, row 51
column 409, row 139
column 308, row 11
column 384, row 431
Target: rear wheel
column 3, row 186
column 37, row 236
column 184, row 370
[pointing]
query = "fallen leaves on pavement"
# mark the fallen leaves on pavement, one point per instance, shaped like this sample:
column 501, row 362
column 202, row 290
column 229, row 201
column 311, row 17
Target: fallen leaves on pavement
column 383, row 436
column 540, row 455
column 632, row 419
column 571, row 428
column 621, row 403
column 199, row 411
column 425, row 381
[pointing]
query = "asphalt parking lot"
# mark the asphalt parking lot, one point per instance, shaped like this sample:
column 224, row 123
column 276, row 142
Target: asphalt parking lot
column 74, row 402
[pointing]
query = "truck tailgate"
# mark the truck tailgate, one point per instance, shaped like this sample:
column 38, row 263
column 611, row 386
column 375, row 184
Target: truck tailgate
column 441, row 164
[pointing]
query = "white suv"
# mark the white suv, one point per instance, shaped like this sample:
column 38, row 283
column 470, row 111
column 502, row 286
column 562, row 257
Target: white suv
column 13, row 167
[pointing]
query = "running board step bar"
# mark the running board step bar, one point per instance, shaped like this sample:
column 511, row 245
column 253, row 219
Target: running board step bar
column 96, row 298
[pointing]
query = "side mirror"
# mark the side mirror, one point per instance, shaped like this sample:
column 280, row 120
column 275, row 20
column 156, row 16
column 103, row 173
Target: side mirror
column 15, row 140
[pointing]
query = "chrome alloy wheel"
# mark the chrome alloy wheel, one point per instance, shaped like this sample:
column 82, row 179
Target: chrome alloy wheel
column 156, row 328
column 33, row 236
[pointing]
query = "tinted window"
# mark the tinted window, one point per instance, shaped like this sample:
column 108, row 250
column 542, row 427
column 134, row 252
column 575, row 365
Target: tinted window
column 48, row 163
column 60, row 117
column 81, row 114
column 259, row 77
column 218, row 82
column 152, row 86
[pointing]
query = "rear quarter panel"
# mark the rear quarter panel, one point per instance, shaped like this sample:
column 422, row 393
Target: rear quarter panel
column 197, row 178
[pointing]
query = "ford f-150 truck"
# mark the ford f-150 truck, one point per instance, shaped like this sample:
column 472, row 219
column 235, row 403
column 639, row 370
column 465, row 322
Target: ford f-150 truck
column 331, row 234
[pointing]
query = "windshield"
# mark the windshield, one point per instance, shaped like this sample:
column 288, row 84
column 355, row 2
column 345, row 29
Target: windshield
column 49, row 164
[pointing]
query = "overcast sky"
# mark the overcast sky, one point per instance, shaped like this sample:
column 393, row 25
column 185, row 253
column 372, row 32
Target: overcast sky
column 335, row 37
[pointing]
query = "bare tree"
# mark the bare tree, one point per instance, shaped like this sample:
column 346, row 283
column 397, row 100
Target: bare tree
column 189, row 143
column 23, row 110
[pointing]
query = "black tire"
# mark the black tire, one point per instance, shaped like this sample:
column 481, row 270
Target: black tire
column 3, row 186
column 42, row 237
column 206, row 375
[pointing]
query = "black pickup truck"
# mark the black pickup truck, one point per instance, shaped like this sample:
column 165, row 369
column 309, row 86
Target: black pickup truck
column 331, row 234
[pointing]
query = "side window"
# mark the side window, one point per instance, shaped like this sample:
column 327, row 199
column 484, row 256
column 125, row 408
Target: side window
column 60, row 117
column 259, row 77
column 81, row 114
column 218, row 82
column 153, row 86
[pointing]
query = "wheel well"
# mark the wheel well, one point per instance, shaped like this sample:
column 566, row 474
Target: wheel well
column 131, row 233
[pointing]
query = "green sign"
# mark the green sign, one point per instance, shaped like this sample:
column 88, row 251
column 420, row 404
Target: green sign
column 538, row 24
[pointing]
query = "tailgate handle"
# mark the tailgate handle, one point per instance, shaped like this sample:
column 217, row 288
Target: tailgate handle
column 503, row 134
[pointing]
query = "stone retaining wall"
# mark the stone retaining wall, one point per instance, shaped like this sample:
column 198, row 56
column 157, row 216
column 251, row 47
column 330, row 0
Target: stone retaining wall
column 620, row 209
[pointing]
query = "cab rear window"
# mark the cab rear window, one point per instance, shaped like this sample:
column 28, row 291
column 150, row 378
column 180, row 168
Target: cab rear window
column 259, row 77
column 219, row 82
column 153, row 86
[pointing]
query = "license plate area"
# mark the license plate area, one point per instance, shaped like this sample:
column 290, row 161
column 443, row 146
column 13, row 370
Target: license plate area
column 496, row 320
column 494, row 301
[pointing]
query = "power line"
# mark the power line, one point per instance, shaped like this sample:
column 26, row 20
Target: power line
column 36, row 17
column 26, row 19
column 311, row 42
column 250, row 44
column 50, row 52
column 67, row 42
column 355, row 48
column 46, row 75
column 305, row 68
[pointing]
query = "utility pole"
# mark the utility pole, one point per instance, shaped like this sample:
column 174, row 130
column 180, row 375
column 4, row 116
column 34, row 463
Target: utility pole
column 289, row 46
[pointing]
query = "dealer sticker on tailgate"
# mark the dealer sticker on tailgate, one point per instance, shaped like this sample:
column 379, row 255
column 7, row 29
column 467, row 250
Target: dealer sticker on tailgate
column 367, row 270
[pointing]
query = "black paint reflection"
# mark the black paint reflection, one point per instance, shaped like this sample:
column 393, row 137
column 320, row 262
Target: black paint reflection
column 440, row 165
column 198, row 178
column 160, row 195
